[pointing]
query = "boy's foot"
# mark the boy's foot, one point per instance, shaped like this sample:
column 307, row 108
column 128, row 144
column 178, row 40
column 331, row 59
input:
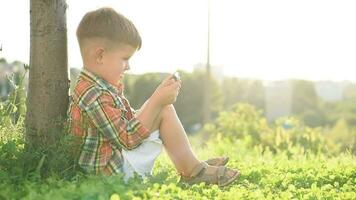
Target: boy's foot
column 218, row 161
column 222, row 176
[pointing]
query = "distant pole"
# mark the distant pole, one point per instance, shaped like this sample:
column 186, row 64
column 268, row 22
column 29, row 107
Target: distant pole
column 207, row 96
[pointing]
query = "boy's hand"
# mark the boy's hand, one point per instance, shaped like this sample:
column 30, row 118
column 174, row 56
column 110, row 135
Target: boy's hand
column 167, row 92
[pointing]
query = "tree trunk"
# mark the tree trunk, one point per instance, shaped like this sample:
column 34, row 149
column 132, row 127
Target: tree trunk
column 47, row 98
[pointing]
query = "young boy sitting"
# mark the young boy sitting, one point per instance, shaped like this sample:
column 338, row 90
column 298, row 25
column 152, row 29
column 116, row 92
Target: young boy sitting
column 114, row 138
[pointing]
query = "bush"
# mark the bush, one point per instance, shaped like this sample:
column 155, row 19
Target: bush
column 244, row 122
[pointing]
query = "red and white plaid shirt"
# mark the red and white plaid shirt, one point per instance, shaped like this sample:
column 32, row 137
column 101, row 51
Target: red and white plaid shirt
column 103, row 119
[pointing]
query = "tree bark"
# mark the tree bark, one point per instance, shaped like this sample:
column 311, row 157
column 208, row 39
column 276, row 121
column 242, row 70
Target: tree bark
column 47, row 98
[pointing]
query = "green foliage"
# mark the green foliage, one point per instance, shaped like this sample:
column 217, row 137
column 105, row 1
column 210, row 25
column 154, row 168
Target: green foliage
column 306, row 105
column 14, row 106
column 265, row 175
column 244, row 91
column 242, row 122
column 345, row 110
column 288, row 134
column 189, row 105
column 142, row 89
column 343, row 135
column 314, row 112
column 17, row 157
column 304, row 96
column 283, row 160
column 350, row 93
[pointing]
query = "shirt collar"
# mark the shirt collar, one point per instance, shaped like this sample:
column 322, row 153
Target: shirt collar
column 90, row 76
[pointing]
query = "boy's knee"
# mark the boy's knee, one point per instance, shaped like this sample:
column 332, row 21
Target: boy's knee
column 165, row 112
column 168, row 109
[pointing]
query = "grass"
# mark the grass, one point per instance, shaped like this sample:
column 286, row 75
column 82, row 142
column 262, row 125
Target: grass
column 264, row 176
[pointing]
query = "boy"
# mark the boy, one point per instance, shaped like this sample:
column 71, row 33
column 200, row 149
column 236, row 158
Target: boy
column 114, row 137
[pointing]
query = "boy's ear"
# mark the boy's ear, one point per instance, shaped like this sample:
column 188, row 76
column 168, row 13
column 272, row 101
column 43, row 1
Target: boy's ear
column 99, row 55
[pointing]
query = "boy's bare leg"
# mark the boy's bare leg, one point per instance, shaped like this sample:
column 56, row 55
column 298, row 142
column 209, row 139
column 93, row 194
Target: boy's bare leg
column 175, row 140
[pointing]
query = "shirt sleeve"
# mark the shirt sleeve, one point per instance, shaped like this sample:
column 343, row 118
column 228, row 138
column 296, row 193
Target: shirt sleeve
column 111, row 121
column 134, row 112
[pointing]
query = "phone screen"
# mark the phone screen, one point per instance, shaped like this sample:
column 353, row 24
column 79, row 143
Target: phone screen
column 176, row 76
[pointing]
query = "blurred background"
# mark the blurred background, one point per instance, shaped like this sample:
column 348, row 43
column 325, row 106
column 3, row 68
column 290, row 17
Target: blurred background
column 285, row 58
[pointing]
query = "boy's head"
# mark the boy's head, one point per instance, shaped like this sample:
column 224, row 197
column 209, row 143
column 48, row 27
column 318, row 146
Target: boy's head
column 107, row 40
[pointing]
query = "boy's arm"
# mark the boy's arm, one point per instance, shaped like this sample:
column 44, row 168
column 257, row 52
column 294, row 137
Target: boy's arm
column 122, row 132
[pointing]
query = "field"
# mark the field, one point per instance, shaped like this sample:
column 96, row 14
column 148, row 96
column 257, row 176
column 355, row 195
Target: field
column 280, row 166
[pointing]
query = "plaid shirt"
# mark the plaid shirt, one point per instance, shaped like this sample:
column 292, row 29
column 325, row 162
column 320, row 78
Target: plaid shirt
column 102, row 118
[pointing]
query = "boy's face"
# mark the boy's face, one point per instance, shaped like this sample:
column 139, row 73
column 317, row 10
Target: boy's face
column 115, row 62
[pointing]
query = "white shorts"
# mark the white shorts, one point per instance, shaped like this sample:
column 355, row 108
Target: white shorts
column 142, row 158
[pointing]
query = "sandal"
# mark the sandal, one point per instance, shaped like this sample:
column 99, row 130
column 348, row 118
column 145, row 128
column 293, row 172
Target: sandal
column 218, row 161
column 204, row 173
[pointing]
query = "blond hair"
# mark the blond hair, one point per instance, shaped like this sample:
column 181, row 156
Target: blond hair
column 109, row 26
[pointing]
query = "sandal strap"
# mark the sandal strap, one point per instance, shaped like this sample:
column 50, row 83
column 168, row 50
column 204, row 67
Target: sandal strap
column 197, row 169
column 220, row 173
column 218, row 161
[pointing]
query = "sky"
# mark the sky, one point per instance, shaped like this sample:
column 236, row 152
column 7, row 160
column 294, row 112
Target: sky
column 269, row 40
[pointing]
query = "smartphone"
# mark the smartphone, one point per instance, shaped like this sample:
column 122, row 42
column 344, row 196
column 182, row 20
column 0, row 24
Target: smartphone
column 176, row 76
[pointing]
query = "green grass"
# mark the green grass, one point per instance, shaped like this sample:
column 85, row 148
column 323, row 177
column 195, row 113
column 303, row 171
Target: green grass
column 275, row 163
column 264, row 176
